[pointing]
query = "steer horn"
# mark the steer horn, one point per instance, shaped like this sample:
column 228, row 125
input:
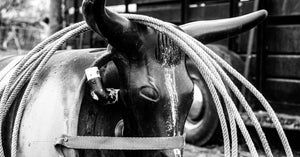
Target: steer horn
column 117, row 30
column 213, row 30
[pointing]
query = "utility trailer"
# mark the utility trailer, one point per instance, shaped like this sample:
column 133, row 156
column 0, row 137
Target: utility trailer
column 275, row 54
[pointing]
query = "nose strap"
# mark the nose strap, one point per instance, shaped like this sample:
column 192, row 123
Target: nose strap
column 119, row 143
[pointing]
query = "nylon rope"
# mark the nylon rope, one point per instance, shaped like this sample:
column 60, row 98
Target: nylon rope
column 209, row 64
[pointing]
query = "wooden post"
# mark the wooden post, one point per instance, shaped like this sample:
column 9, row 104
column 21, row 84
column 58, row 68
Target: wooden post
column 55, row 16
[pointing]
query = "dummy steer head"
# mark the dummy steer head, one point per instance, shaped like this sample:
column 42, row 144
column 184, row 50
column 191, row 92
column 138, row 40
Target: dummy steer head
column 155, row 85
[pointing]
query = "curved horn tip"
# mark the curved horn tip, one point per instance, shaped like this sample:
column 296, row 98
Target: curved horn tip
column 259, row 15
column 263, row 12
column 213, row 30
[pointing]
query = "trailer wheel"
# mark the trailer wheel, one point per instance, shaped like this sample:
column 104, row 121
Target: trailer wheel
column 202, row 122
column 202, row 125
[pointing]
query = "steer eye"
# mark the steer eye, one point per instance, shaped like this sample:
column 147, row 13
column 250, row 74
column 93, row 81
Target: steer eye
column 149, row 93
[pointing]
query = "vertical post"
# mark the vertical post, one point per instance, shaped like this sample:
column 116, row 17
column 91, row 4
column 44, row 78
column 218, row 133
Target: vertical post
column 78, row 41
column 249, row 49
column 55, row 16
column 126, row 3
column 76, row 11
column 184, row 11
column 261, row 54
column 233, row 12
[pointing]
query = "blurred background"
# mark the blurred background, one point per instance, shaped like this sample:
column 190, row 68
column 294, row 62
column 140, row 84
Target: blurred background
column 23, row 24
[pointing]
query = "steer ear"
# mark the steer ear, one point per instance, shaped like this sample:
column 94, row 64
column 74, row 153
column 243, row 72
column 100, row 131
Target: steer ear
column 213, row 30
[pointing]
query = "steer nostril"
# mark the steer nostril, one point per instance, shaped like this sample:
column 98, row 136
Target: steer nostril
column 149, row 93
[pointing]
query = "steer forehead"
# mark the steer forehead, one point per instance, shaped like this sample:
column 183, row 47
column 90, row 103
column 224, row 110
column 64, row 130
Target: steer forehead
column 152, row 45
column 167, row 52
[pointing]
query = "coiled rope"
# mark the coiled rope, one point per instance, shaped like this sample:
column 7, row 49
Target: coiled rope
column 209, row 64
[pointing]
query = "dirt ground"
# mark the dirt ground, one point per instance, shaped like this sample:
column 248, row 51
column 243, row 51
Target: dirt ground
column 193, row 151
column 217, row 151
column 271, row 134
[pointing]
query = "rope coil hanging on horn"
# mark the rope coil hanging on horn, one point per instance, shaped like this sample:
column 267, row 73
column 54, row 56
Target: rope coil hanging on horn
column 209, row 64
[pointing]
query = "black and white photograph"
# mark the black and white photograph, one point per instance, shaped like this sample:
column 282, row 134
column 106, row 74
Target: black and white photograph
column 149, row 78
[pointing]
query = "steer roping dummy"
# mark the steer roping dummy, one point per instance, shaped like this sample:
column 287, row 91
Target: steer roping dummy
column 143, row 71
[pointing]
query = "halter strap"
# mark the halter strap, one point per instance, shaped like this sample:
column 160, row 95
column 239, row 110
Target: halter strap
column 119, row 143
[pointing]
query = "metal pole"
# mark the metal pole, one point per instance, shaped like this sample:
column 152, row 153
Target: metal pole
column 249, row 49
column 261, row 54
